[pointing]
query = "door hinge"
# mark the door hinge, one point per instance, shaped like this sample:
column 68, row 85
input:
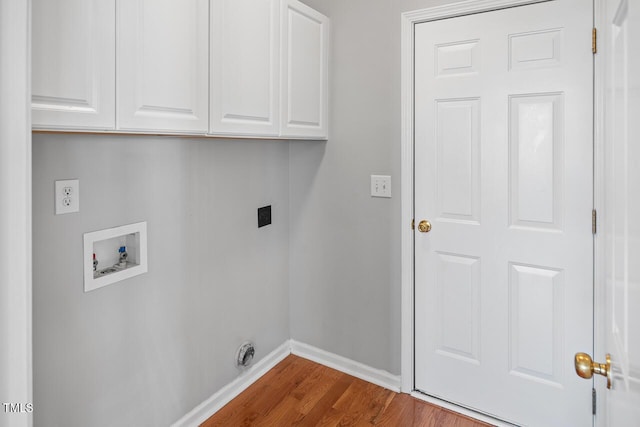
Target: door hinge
column 413, row 224
column 594, row 41
column 593, row 401
column 594, row 221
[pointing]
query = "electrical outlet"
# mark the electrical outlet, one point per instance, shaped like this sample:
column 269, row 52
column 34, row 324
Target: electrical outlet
column 380, row 186
column 67, row 196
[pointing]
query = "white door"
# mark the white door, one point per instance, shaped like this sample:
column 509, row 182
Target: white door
column 163, row 65
column 73, row 64
column 503, row 172
column 621, row 228
column 245, row 67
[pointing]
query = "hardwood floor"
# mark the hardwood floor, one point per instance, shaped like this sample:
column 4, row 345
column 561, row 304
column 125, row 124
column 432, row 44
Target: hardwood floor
column 298, row 392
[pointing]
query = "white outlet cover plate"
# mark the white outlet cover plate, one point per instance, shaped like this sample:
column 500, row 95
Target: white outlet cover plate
column 67, row 196
column 380, row 186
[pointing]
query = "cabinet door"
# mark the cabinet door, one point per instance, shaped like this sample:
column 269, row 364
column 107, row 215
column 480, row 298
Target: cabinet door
column 245, row 67
column 305, row 44
column 163, row 51
column 73, row 64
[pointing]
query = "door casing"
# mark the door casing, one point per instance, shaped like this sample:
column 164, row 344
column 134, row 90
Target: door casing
column 15, row 218
column 408, row 21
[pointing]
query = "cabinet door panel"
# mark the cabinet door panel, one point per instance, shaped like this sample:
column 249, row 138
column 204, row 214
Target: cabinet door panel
column 244, row 67
column 304, row 71
column 73, row 64
column 163, row 65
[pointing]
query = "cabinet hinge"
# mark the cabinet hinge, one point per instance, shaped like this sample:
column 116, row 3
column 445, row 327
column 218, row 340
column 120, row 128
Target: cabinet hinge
column 594, row 41
column 413, row 224
column 593, row 401
column 594, row 221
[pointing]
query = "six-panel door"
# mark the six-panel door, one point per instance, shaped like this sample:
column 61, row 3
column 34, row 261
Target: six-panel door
column 503, row 171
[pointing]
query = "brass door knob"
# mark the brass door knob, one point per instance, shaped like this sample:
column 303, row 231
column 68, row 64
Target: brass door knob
column 424, row 226
column 586, row 367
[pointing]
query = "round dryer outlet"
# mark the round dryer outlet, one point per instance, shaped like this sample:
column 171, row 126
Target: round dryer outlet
column 244, row 355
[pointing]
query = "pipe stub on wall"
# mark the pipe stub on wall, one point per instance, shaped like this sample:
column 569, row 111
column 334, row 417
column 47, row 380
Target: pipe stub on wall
column 244, row 355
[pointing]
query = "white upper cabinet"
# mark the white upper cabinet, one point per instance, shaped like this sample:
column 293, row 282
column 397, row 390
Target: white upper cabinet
column 163, row 51
column 73, row 62
column 245, row 52
column 219, row 67
column 304, row 69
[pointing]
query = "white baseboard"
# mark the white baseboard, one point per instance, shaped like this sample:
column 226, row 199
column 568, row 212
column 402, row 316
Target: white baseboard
column 202, row 412
column 348, row 366
column 206, row 409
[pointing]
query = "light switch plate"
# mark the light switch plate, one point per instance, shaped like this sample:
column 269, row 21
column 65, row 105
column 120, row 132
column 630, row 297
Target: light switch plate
column 67, row 196
column 380, row 186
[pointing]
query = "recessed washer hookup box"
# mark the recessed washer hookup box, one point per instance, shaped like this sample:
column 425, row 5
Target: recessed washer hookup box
column 114, row 254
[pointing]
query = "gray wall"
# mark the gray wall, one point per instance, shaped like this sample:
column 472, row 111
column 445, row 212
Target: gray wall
column 345, row 245
column 327, row 272
column 344, row 287
column 147, row 350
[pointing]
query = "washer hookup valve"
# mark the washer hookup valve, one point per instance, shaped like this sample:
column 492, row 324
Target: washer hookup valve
column 123, row 256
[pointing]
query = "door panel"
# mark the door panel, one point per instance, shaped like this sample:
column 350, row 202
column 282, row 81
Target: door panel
column 73, row 72
column 503, row 152
column 535, row 162
column 458, row 155
column 304, row 68
column 245, row 55
column 536, row 341
column 458, row 280
column 163, row 51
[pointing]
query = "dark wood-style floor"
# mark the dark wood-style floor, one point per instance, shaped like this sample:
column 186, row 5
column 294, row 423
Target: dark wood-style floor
column 298, row 392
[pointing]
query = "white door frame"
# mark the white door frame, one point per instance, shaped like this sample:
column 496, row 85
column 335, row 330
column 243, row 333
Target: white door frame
column 408, row 22
column 599, row 288
column 15, row 217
